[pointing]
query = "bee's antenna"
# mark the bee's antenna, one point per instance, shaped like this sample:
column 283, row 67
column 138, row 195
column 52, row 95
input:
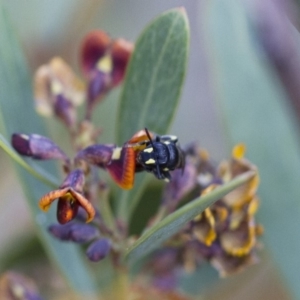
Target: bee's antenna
column 156, row 158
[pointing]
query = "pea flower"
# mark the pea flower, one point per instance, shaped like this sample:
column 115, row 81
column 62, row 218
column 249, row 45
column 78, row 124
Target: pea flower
column 70, row 197
column 225, row 234
column 58, row 91
column 103, row 63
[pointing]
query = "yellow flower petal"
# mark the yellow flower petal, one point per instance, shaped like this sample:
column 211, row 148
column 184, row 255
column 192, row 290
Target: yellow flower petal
column 239, row 151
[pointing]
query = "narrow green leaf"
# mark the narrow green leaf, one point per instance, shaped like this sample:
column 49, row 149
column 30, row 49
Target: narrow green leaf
column 170, row 225
column 17, row 115
column 153, row 83
column 256, row 112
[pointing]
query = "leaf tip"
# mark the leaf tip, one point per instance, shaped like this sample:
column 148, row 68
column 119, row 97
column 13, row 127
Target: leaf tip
column 182, row 10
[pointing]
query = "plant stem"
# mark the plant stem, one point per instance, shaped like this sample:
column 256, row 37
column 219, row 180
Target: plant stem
column 120, row 286
column 106, row 211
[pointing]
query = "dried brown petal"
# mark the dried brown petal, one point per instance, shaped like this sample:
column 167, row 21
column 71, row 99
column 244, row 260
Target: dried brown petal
column 53, row 82
column 228, row 265
column 229, row 170
column 241, row 241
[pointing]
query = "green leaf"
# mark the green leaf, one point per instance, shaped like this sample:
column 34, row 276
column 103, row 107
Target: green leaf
column 153, row 83
column 256, row 111
column 17, row 115
column 155, row 76
column 174, row 222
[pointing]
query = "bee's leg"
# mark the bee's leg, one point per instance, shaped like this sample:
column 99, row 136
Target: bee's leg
column 167, row 176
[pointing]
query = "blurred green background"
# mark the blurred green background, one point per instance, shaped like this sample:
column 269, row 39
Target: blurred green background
column 242, row 85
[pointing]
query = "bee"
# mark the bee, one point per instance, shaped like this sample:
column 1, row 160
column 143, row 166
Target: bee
column 161, row 155
column 149, row 152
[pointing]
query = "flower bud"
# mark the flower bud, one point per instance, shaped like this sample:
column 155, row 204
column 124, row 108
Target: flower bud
column 61, row 232
column 83, row 233
column 36, row 146
column 98, row 249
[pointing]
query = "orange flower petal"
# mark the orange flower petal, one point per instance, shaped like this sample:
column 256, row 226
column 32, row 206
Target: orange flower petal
column 86, row 205
column 47, row 199
column 122, row 167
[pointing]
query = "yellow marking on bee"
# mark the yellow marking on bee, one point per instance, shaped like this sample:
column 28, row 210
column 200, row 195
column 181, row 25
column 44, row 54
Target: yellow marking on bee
column 105, row 64
column 166, row 180
column 150, row 161
column 167, row 143
column 148, row 150
column 166, row 169
column 116, row 153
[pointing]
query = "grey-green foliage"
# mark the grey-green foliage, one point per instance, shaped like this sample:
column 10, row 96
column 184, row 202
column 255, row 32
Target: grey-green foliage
column 17, row 115
column 255, row 108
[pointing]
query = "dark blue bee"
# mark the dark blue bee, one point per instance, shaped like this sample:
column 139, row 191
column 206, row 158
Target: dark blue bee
column 161, row 155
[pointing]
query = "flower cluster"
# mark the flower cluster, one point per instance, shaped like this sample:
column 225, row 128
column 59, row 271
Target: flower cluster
column 58, row 93
column 225, row 234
